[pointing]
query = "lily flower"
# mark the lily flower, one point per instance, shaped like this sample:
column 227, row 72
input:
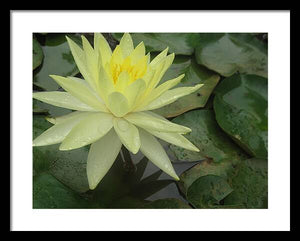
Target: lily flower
column 112, row 105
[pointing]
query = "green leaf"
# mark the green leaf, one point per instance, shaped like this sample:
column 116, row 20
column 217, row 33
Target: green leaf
column 208, row 191
column 38, row 55
column 205, row 168
column 250, row 184
column 212, row 142
column 178, row 43
column 58, row 60
column 194, row 74
column 70, row 168
column 241, row 107
column 227, row 53
column 48, row 192
column 228, row 184
column 205, row 184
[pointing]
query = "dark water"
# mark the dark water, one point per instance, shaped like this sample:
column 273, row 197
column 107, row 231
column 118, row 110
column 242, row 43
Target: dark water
column 171, row 190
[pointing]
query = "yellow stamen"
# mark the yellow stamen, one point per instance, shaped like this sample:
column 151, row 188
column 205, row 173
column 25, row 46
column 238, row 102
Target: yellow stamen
column 135, row 71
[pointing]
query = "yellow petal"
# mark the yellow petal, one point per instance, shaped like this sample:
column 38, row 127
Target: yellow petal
column 147, row 78
column 80, row 59
column 126, row 63
column 58, row 132
column 126, row 44
column 137, row 53
column 147, row 121
column 160, row 68
column 149, row 75
column 60, row 119
column 159, row 91
column 80, row 90
column 94, row 92
column 101, row 156
column 117, row 56
column 122, row 81
column 148, row 58
column 175, row 139
column 128, row 134
column 87, row 131
column 140, row 68
column 167, row 63
column 166, row 86
column 106, row 85
column 151, row 81
column 153, row 150
column 169, row 97
column 159, row 58
column 102, row 47
column 62, row 99
column 91, row 61
column 133, row 91
column 118, row 104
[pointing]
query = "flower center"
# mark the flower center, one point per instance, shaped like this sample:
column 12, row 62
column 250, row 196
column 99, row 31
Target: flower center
column 135, row 71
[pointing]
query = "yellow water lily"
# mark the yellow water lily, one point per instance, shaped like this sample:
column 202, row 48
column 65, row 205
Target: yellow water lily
column 113, row 104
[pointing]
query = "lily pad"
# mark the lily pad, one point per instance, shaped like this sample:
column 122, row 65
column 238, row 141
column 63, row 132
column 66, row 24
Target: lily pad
column 241, row 107
column 205, row 184
column 178, row 43
column 58, row 60
column 250, row 184
column 205, row 168
column 227, row 53
column 194, row 74
column 212, row 142
column 228, row 184
column 38, row 55
column 48, row 192
column 208, row 191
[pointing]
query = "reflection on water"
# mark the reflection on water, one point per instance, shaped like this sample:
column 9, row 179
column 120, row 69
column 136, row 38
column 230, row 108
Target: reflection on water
column 170, row 190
